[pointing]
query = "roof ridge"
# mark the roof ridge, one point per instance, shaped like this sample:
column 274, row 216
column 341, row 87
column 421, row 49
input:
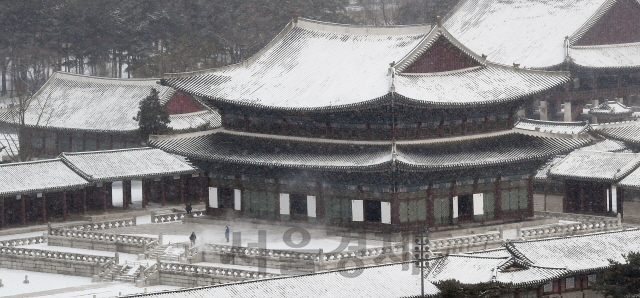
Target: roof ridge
column 105, row 151
column 611, row 45
column 31, row 162
column 567, row 123
column 82, row 77
column 355, row 29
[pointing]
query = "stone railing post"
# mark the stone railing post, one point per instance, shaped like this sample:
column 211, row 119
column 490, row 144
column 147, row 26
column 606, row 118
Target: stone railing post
column 406, row 253
column 117, row 259
column 519, row 231
column 160, row 239
column 133, row 221
column 619, row 219
column 501, row 230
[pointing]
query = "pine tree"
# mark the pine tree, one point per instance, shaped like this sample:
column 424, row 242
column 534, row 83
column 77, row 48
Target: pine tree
column 152, row 117
column 621, row 279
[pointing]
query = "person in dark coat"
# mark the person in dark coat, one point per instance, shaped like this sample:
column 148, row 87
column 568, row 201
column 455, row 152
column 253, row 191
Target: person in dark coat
column 188, row 208
column 226, row 233
column 193, row 238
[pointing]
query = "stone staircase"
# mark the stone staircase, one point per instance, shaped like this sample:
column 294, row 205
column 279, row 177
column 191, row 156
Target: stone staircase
column 157, row 251
column 110, row 275
column 129, row 272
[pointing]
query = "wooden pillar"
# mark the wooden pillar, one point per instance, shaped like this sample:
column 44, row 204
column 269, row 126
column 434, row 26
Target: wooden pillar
column 395, row 209
column 44, row 208
column 276, row 195
column 201, row 187
column 530, row 196
column 498, row 196
column 319, row 202
column 105, row 193
column 452, row 193
column 620, row 200
column 2, row 219
column 145, row 186
column 430, row 207
column 183, row 180
column 163, row 190
column 84, row 200
column 126, row 193
column 564, row 197
column 581, row 183
column 64, row 206
column 23, row 210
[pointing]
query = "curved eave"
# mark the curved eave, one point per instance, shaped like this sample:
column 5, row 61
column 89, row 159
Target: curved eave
column 608, row 113
column 378, row 101
column 410, row 166
column 43, row 190
column 604, row 67
column 369, row 168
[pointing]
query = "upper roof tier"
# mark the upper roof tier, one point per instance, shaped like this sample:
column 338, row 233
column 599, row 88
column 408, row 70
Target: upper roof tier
column 315, row 66
column 78, row 102
column 606, row 56
column 533, row 32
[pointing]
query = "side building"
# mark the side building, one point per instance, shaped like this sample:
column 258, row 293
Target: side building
column 73, row 113
column 372, row 128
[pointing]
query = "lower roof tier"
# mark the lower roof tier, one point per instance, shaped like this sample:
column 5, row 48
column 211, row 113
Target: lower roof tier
column 424, row 155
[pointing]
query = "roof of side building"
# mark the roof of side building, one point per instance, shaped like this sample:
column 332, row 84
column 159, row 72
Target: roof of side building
column 606, row 56
column 628, row 131
column 553, row 126
column 596, row 166
column 127, row 164
column 38, row 176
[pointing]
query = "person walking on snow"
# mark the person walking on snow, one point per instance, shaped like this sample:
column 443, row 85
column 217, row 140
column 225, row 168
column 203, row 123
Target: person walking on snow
column 226, row 233
column 193, row 238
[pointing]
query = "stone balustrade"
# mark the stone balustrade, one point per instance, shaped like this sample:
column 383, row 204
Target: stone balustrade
column 103, row 237
column 216, row 271
column 364, row 253
column 38, row 253
column 261, row 252
column 93, row 226
column 176, row 216
column 23, row 241
column 559, row 230
column 463, row 243
column 583, row 218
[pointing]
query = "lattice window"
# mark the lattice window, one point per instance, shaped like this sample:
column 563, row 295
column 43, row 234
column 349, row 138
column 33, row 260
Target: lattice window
column 441, row 210
column 528, row 294
column 591, row 279
column 489, row 205
column 548, row 287
column 570, row 282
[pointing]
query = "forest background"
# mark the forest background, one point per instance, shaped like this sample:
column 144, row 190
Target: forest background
column 147, row 38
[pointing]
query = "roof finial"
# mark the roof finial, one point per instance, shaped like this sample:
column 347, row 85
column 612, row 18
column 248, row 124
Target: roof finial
column 294, row 16
column 435, row 21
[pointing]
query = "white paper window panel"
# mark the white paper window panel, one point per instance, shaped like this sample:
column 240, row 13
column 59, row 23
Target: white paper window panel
column 455, row 207
column 614, row 199
column 591, row 278
column 213, row 197
column 284, row 203
column 478, row 203
column 357, row 207
column 548, row 287
column 311, row 206
column 385, row 209
column 237, row 199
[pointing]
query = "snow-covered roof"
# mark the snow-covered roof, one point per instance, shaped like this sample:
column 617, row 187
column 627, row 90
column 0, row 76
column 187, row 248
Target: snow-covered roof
column 577, row 253
column 607, row 145
column 594, row 165
column 38, row 176
column 396, row 280
column 628, row 131
column 70, row 101
column 611, row 107
column 552, row 126
column 530, row 33
column 606, row 56
column 268, row 150
column 126, row 164
column 542, row 173
column 314, row 65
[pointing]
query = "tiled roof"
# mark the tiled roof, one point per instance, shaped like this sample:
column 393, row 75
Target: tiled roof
column 69, row 101
column 552, row 126
column 530, row 33
column 606, row 56
column 611, row 108
column 309, row 65
column 594, row 165
column 494, row 252
column 206, row 118
column 628, row 131
column 532, row 275
column 489, row 150
column 475, row 86
column 127, row 164
column 268, row 150
column 543, row 172
column 313, row 65
column 265, row 150
column 375, row 281
column 607, row 145
column 476, row 269
column 577, row 253
column 38, row 176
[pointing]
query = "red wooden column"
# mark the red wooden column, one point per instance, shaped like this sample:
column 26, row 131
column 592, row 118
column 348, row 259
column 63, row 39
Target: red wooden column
column 163, row 191
column 44, row 208
column 105, row 192
column 319, row 202
column 2, row 220
column 395, row 209
column 145, row 185
column 182, row 188
column 530, row 195
column 498, row 197
column 64, row 206
column 126, row 193
column 201, row 187
column 430, row 207
column 581, row 184
column 24, row 210
column 84, row 200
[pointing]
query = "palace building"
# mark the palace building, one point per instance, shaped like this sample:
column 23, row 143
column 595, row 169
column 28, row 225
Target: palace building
column 73, row 113
column 598, row 41
column 374, row 128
